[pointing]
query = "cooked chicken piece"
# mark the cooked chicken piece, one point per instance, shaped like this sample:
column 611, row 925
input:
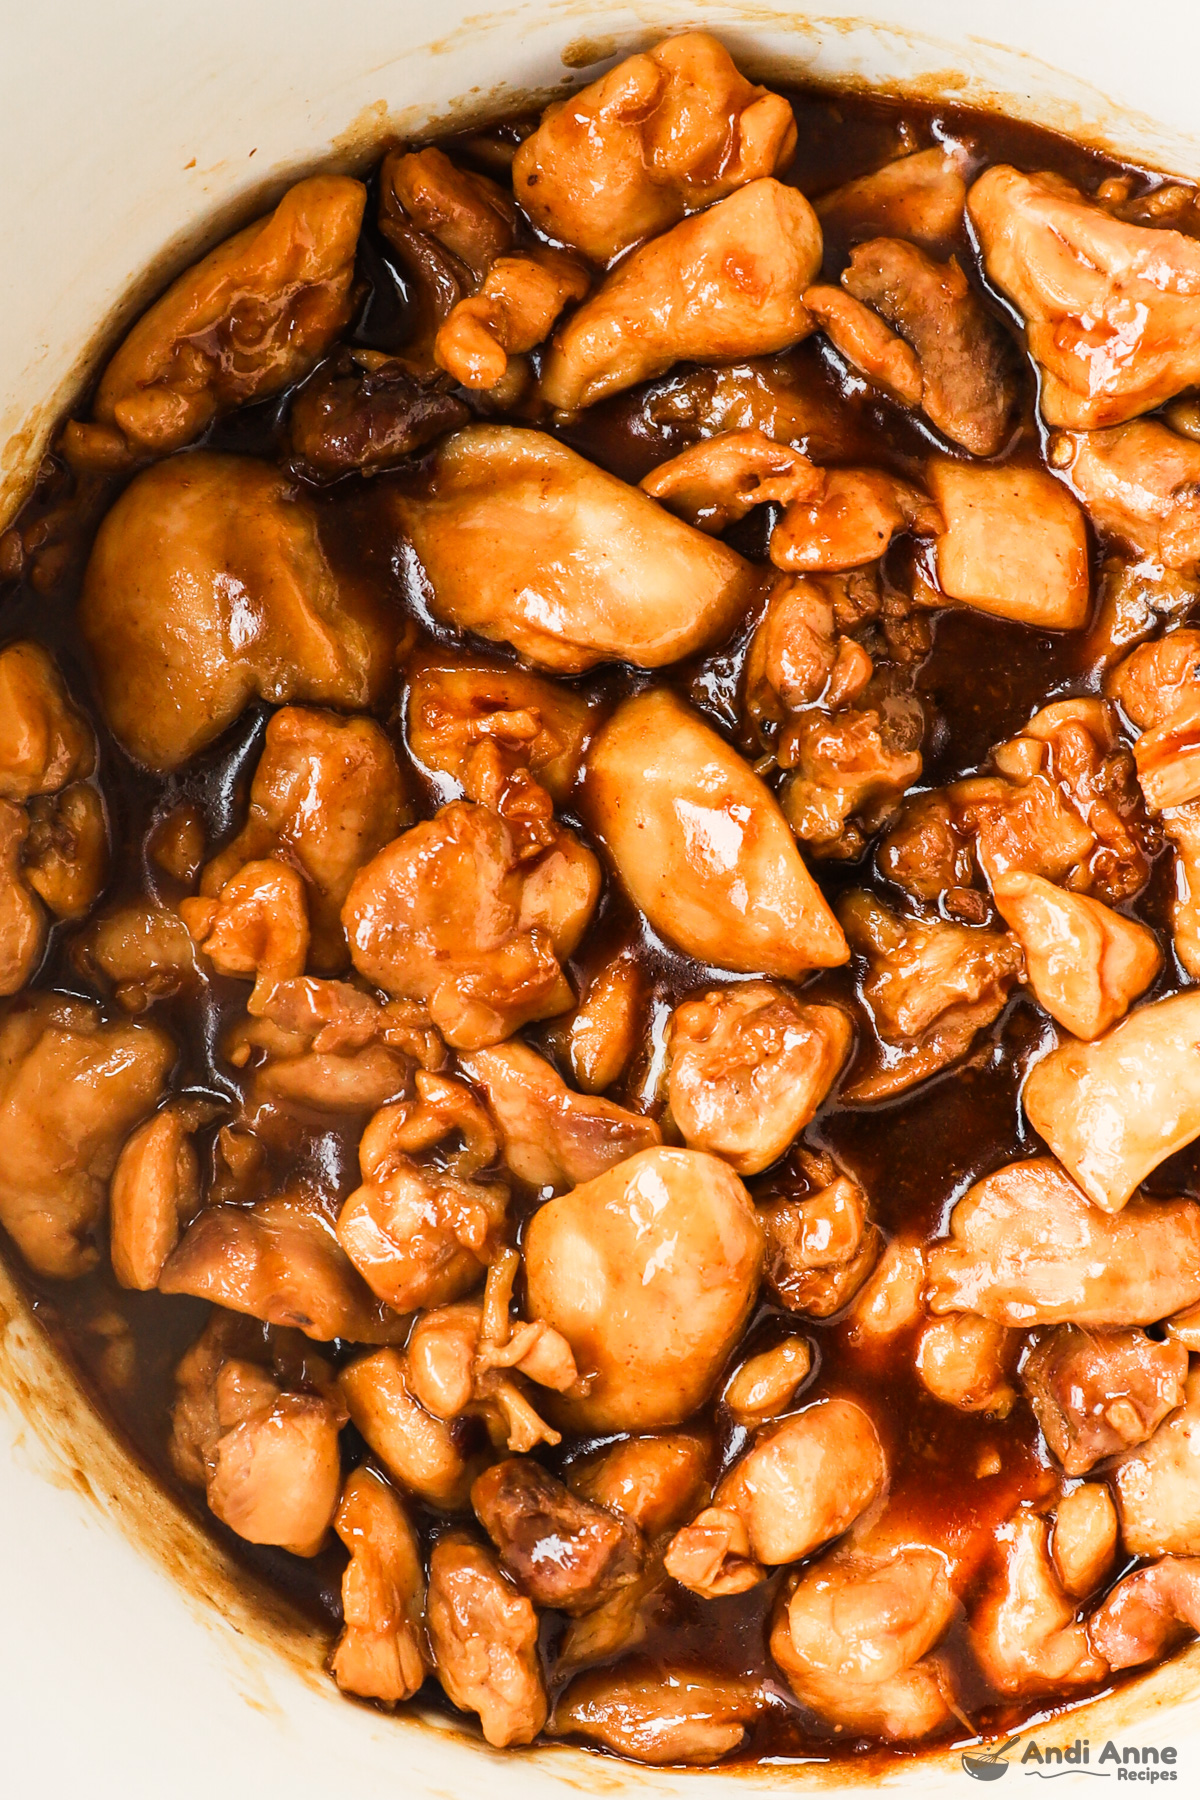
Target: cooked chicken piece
column 207, row 585
column 890, row 1301
column 448, row 914
column 930, row 986
column 701, row 844
column 654, row 1481
column 1112, row 1110
column 1024, row 1631
column 44, row 741
column 525, row 542
column 66, row 853
column 484, row 1638
column 850, row 770
column 1086, row 964
column 279, row 1261
column 649, row 1272
column 257, row 925
column 820, row 1250
column 1148, row 1612
column 749, row 1066
column 514, row 310
column 1153, row 680
column 380, row 1654
column 144, row 951
column 1168, row 757
column 367, row 411
column 268, row 1360
column 1184, row 1328
column 719, row 480
column 1014, row 543
column 274, row 1475
column 765, row 1385
column 1027, row 1247
column 155, row 1188
column 462, row 1360
column 851, row 521
column 327, row 795
column 71, row 1090
column 469, row 215
column 461, row 711
column 420, row 1451
column 853, row 1635
column 252, row 317
column 662, row 135
column 967, row 1362
column 561, row 1550
column 328, row 1047
column 1134, row 597
column 22, row 920
column 1139, row 483
column 867, row 343
column 928, row 856
column 1085, row 1538
column 1158, row 1485
column 793, row 653
column 718, row 288
column 599, row 1038
column 1096, row 1393
column 1110, row 309
column 787, row 397
column 660, row 1715
column 921, row 196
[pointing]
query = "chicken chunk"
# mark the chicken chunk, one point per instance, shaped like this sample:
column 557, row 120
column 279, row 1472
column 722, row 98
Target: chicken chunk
column 660, row 1715
column 1110, row 308
column 514, row 310
column 851, row 521
column 1155, row 678
column 967, row 1362
column 44, row 741
column 928, row 855
column 649, row 1272
column 749, row 1066
column 380, row 1654
column 921, row 196
column 66, row 853
column 206, row 587
column 252, row 317
column 1027, row 1247
column 1158, row 1484
column 257, row 925
column 1095, row 1393
column 794, row 650
column 867, row 344
column 469, row 215
column 1014, row 544
column 144, row 952
column 662, row 135
column 820, row 1250
column 653, row 1481
column 71, row 1090
column 890, row 1301
column 1024, row 1632
column 1086, row 963
column 599, row 1038
column 719, row 480
column 523, row 541
column 268, row 1360
column 849, row 771
column 484, row 1639
column 1182, row 825
column 1148, row 1612
column 419, row 1451
column 561, row 1550
column 718, row 288
column 22, row 920
column 701, row 844
column 765, row 1385
column 461, row 711
column 274, row 1475
column 1139, row 483
column 367, row 411
column 155, row 1189
column 473, row 1358
column 1085, row 1538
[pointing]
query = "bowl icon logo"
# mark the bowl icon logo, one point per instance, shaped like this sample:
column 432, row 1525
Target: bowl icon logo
column 988, row 1765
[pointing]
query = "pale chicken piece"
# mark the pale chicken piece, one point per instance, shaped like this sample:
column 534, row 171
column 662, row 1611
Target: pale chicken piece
column 921, row 196
column 417, row 1449
column 1024, row 1632
column 1110, row 309
column 967, row 1362
column 1158, row 1484
column 484, row 1637
column 1014, row 543
column 654, row 1481
column 1184, row 1328
column 1086, row 963
column 524, row 1510
column 71, row 1090
column 890, row 1300
column 1084, row 1542
column 719, row 480
column 851, row 521
column 380, row 1654
column 1027, row 1247
column 649, row 1272
column 662, row 135
column 601, row 1035
column 275, row 1474
column 1112, row 1110
column 257, row 925
column 748, row 1067
column 849, row 771
column 718, row 288
column 460, row 709
column 765, row 1385
column 155, row 1187
column 22, row 919
column 513, row 311
column 65, row 856
column 867, row 344
column 1168, row 757
column 1148, row 1613
column 820, row 1250
column 1140, row 483
column 550, row 1136
column 660, row 1715
column 207, row 586
column 701, row 844
column 252, row 317
column 461, row 1360
column 45, row 742
column 1096, row 1393
column 143, row 951
column 327, row 795
column 525, row 542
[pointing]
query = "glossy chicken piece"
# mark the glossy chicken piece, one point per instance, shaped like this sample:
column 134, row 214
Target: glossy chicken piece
column 550, row 1136
column 890, row 1301
column 652, row 1481
column 701, row 845
column 1148, row 1612
column 561, row 1550
column 1086, row 964
column 155, row 1188
column 1014, row 544
column 967, row 1362
column 418, row 1450
column 144, row 952
column 1182, row 825
column 462, row 710
column 327, row 795
column 820, row 1250
column 484, row 1639
column 749, row 1066
column 380, row 1654
column 44, row 741
column 1027, row 1247
column 1138, row 483
column 848, row 771
column 649, row 1272
column 253, row 316
column 921, row 196
column 795, row 656
column 719, row 480
column 1112, row 1110
column 463, row 1359
column 1096, row 1393
column 66, row 853
column 22, row 920
column 765, row 1385
column 514, row 310
column 257, row 925
column 207, row 587
column 71, row 1090
column 601, row 1035
column 662, row 135
column 367, row 411
column 719, row 288
column 929, row 856
column 274, row 1474
column 851, row 521
column 1156, row 679
column 524, row 542
column 1158, row 1485
column 1024, row 1631
column 867, row 344
column 660, row 1715
column 1110, row 308
column 1084, row 1541
column 468, row 214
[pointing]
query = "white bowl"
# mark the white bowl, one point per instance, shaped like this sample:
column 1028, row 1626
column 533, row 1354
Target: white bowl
column 132, row 1661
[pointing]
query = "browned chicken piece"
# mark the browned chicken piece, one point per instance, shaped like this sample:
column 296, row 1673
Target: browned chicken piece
column 649, row 1272
column 550, row 1136
column 462, row 710
column 71, row 1090
column 1086, row 964
column 653, row 1481
column 749, row 1066
column 207, row 586
column 1085, row 1537
column 967, row 367
column 1133, row 598
column 561, row 1550
column 787, row 397
column 968, row 1362
column 1027, row 1247
column 719, row 480
column 380, row 1654
column 1014, row 543
column 274, row 1474
column 851, row 521
column 849, row 771
column 1153, row 680
column 662, row 135
column 419, row 1451
column 794, row 650
column 820, row 1250
column 155, row 1190
column 327, row 795
column 252, row 317
column 867, row 344
column 284, row 1358
column 525, row 542
column 701, row 844
column 660, row 1715
column 514, row 310
column 599, row 1038
column 469, row 215
column 366, row 411
column 1182, row 825
column 484, row 1639
column 1158, row 1484
column 143, row 951
column 930, row 985
column 718, row 288
column 279, row 1261
column 921, row 196
column 1024, row 1632
column 1148, row 1613
column 44, row 741
column 22, row 920
column 929, row 856
column 1110, row 309
column 66, row 853
column 1140, row 484
column 257, row 925
column 765, row 1385
column 1096, row 1393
